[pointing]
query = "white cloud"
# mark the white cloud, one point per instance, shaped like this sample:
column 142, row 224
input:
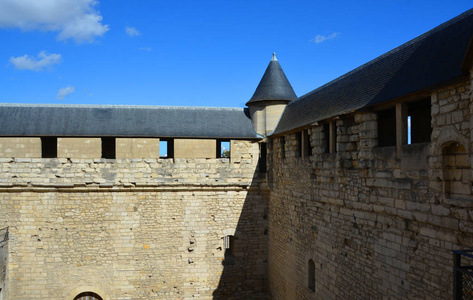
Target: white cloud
column 84, row 28
column 145, row 48
column 73, row 19
column 322, row 38
column 40, row 63
column 64, row 92
column 132, row 31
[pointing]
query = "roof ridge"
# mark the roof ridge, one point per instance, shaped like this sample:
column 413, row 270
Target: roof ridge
column 125, row 121
column 52, row 105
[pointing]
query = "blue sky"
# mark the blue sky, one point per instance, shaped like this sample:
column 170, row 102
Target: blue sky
column 195, row 53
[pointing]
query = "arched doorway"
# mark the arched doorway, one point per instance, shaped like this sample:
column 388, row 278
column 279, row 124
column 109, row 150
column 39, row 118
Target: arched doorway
column 88, row 296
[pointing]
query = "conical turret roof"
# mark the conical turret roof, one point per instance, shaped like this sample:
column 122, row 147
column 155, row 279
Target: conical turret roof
column 274, row 84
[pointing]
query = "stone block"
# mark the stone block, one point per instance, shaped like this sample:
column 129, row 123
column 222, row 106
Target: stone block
column 137, row 148
column 20, row 147
column 461, row 160
column 465, row 226
column 460, row 188
column 440, row 210
column 195, row 148
column 79, row 148
column 368, row 144
column 430, row 232
column 450, row 223
column 457, row 116
column 448, row 108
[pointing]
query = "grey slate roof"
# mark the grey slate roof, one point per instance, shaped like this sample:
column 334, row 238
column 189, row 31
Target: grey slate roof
column 274, row 85
column 427, row 61
column 136, row 121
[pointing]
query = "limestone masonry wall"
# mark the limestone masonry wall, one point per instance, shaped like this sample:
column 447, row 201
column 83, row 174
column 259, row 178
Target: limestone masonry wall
column 377, row 223
column 135, row 228
column 70, row 172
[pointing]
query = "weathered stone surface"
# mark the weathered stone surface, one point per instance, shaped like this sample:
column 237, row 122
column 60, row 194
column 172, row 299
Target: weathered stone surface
column 382, row 231
column 124, row 228
column 378, row 222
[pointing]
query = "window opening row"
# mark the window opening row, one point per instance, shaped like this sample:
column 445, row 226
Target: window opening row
column 166, row 148
column 412, row 120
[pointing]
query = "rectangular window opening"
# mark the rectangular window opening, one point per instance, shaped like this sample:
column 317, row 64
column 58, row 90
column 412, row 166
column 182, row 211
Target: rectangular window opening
column 409, row 134
column 333, row 137
column 387, row 127
column 326, row 130
column 223, row 149
column 108, row 148
column 419, row 126
column 262, row 158
column 166, row 148
column 307, row 145
column 299, row 144
column 330, row 137
column 229, row 246
column 311, row 275
column 49, row 147
column 283, row 147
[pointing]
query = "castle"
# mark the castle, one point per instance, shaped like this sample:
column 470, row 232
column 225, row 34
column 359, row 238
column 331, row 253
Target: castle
column 359, row 189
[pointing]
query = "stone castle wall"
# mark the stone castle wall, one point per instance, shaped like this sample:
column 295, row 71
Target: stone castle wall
column 378, row 222
column 135, row 228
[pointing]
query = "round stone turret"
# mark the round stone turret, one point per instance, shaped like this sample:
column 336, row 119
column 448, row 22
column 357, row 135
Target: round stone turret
column 270, row 98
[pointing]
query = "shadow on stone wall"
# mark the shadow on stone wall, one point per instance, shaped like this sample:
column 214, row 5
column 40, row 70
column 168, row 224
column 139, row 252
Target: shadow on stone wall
column 245, row 272
column 3, row 259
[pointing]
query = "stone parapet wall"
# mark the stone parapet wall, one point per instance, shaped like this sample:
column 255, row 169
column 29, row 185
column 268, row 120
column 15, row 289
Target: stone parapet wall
column 47, row 172
column 120, row 148
column 378, row 222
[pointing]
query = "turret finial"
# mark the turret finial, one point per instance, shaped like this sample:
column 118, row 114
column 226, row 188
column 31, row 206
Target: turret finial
column 274, row 57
